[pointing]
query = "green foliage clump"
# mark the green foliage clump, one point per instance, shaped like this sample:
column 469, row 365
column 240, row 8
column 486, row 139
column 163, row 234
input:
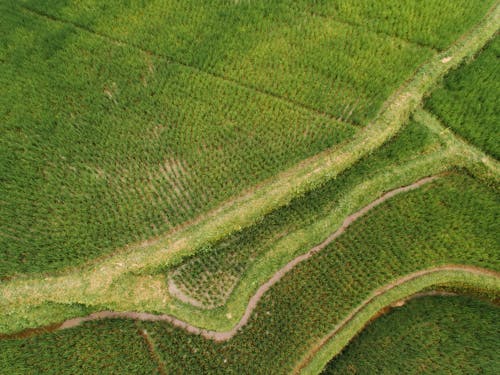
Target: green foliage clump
column 429, row 335
column 468, row 102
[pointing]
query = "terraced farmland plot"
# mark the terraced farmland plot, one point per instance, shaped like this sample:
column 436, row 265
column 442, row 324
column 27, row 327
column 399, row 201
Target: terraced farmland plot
column 429, row 335
column 468, row 101
column 207, row 279
column 437, row 224
column 311, row 300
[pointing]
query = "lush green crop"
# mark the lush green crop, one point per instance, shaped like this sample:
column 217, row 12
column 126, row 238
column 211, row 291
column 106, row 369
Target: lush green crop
column 434, row 23
column 210, row 276
column 431, row 335
column 103, row 145
column 106, row 143
column 318, row 54
column 468, row 102
column 452, row 220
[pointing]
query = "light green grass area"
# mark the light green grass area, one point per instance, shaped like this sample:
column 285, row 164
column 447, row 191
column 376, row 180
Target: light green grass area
column 429, row 335
column 437, row 224
column 468, row 101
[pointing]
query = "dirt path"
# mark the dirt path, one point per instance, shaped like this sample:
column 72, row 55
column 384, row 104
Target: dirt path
column 223, row 336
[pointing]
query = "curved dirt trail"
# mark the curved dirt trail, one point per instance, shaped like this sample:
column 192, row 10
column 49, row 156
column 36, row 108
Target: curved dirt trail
column 226, row 335
column 176, row 292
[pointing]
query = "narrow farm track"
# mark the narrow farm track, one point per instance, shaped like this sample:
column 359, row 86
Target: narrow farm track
column 92, row 284
column 226, row 335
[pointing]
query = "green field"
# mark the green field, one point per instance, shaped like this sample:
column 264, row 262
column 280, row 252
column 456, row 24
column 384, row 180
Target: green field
column 468, row 101
column 429, row 335
column 119, row 137
column 244, row 186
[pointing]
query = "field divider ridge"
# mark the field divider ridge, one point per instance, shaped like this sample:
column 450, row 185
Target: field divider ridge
column 332, row 343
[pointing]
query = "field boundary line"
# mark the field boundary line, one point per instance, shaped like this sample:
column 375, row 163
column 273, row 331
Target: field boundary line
column 252, row 303
column 466, row 150
column 312, row 363
column 455, row 269
column 88, row 284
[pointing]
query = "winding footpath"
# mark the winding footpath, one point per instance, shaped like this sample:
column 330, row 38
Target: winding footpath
column 226, row 335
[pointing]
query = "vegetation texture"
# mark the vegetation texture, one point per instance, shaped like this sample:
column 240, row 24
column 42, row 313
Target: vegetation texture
column 426, row 230
column 108, row 283
column 428, row 335
column 469, row 102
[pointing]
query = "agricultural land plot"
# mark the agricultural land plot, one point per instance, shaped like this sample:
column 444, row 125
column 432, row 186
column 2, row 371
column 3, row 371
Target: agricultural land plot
column 468, row 101
column 280, row 48
column 103, row 145
column 209, row 277
column 129, row 143
column 244, row 186
column 429, row 335
column 434, row 225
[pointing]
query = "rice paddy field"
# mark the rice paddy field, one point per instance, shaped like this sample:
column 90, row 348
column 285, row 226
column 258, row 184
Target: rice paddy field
column 249, row 187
